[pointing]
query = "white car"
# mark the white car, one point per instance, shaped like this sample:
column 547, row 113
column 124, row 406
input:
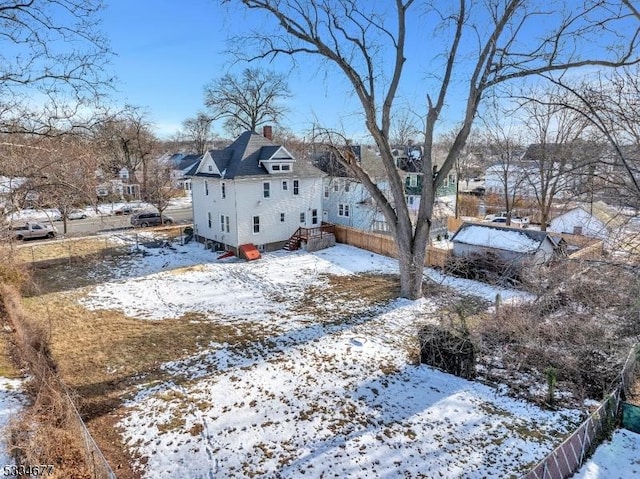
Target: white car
column 502, row 219
column 71, row 215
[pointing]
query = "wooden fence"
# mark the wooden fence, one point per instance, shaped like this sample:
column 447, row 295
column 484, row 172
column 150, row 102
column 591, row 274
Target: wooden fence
column 386, row 245
column 567, row 458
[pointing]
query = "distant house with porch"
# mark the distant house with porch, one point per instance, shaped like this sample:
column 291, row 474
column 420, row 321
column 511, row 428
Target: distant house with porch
column 253, row 192
column 507, row 244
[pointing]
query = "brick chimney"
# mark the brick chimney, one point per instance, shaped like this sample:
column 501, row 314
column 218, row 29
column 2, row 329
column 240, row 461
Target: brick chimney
column 267, row 132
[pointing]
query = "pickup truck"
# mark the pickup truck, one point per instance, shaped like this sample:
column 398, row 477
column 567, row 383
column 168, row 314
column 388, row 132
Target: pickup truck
column 33, row 231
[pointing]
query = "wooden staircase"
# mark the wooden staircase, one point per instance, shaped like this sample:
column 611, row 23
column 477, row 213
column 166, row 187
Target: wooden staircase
column 303, row 234
column 293, row 243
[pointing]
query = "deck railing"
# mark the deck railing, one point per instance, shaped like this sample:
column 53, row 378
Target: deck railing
column 322, row 230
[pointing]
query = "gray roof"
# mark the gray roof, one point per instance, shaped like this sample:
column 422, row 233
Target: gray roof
column 188, row 161
column 242, row 159
column 368, row 158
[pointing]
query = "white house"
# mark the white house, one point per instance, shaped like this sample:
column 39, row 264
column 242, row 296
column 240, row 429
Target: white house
column 345, row 200
column 182, row 164
column 253, row 192
column 595, row 221
column 508, row 244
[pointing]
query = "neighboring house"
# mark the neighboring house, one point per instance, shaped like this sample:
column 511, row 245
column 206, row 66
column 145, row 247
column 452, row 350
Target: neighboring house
column 345, row 200
column 182, row 164
column 253, row 192
column 507, row 244
column 595, row 221
column 545, row 167
column 409, row 161
column 517, row 180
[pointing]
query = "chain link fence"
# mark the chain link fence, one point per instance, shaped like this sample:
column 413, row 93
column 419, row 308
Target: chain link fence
column 567, row 458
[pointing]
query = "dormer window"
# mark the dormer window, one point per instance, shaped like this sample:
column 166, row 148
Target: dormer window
column 278, row 167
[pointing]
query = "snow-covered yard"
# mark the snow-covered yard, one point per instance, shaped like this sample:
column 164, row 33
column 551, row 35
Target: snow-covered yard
column 327, row 389
column 618, row 458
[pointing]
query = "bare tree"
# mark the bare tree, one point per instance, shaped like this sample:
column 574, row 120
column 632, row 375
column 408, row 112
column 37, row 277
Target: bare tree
column 487, row 44
column 160, row 190
column 50, row 171
column 249, row 101
column 505, row 145
column 610, row 103
column 126, row 140
column 52, row 63
column 553, row 164
column 404, row 130
column 198, row 131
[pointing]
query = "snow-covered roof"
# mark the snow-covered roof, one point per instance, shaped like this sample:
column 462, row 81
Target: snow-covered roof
column 507, row 239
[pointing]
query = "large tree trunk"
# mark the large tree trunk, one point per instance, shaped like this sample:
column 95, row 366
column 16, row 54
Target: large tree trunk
column 411, row 256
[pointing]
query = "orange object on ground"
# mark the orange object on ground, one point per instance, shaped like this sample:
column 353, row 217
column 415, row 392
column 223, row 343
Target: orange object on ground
column 227, row 254
column 249, row 252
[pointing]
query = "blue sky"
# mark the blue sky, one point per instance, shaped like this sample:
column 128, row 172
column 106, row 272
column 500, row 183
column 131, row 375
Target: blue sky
column 166, row 51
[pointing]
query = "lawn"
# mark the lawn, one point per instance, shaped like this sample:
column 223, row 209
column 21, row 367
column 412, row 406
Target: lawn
column 295, row 364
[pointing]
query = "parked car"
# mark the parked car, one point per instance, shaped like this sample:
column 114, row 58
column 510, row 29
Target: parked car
column 34, row 231
column 147, row 218
column 521, row 221
column 125, row 210
column 71, row 215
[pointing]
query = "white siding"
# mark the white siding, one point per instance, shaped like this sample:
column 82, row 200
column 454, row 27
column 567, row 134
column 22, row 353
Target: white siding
column 244, row 200
column 251, row 203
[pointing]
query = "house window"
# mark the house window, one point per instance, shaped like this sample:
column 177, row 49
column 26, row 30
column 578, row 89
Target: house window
column 335, row 186
column 210, row 167
column 343, row 210
column 413, row 180
column 286, row 167
column 285, row 185
column 347, row 185
column 314, row 217
column 224, row 223
column 296, row 187
column 326, row 192
column 266, row 189
column 206, row 188
column 302, row 217
column 223, row 190
column 209, row 219
column 282, row 217
column 256, row 224
column 275, row 168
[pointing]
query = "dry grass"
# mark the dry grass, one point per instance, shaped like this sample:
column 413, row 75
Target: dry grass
column 7, row 365
column 356, row 295
column 96, row 350
column 72, row 249
column 33, row 252
column 103, row 355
